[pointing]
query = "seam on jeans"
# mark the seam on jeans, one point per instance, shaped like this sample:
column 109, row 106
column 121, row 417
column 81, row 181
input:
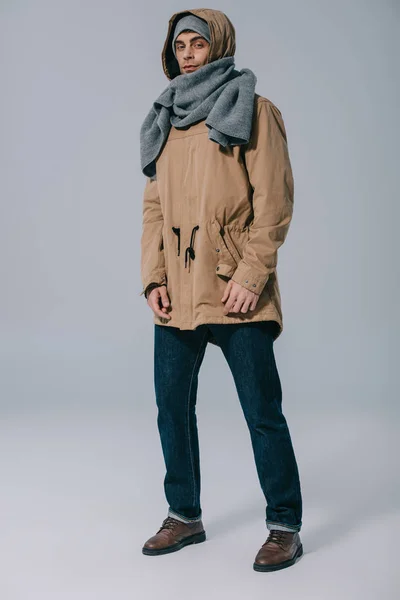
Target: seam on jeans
column 187, row 413
column 293, row 527
column 183, row 518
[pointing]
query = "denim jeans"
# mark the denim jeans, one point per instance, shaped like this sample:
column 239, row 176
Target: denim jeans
column 248, row 350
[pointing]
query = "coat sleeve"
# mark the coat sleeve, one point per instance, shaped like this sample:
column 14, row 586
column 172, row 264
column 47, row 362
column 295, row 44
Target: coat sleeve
column 270, row 174
column 152, row 263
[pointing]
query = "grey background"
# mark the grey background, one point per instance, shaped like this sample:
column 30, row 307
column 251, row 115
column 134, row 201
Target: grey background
column 81, row 465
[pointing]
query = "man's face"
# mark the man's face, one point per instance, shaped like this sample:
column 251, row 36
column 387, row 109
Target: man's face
column 191, row 51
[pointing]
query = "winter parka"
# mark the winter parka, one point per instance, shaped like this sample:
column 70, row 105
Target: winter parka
column 213, row 213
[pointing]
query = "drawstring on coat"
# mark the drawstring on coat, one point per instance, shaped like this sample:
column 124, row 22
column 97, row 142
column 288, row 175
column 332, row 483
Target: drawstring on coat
column 189, row 254
column 177, row 231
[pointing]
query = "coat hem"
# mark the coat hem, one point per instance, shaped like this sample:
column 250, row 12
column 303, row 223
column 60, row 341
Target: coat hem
column 204, row 320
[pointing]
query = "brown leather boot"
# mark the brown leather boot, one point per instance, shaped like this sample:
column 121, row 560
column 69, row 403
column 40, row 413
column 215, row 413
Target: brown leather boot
column 174, row 535
column 281, row 550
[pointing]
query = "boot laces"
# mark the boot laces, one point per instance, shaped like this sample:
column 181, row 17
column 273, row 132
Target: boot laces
column 276, row 536
column 169, row 523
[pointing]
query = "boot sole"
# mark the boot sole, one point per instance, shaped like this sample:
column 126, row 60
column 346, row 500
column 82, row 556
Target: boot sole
column 197, row 538
column 282, row 565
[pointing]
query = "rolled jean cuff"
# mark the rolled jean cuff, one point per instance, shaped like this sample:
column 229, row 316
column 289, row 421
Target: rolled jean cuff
column 182, row 518
column 282, row 527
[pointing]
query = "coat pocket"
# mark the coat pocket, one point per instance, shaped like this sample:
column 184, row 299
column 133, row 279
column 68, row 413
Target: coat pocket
column 228, row 242
column 163, row 248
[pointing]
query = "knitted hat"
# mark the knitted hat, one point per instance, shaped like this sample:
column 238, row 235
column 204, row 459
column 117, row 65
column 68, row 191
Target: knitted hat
column 194, row 24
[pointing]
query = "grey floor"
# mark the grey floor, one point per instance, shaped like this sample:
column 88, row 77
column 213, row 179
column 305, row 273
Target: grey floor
column 82, row 490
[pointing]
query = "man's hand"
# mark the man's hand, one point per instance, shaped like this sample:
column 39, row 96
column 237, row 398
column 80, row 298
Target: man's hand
column 238, row 298
column 158, row 300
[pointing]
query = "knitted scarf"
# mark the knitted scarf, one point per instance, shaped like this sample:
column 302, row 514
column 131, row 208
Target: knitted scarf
column 216, row 92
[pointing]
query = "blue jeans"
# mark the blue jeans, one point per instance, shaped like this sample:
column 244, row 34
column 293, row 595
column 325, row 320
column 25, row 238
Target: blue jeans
column 248, row 349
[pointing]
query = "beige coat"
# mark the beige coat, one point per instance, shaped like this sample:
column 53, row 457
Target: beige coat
column 217, row 213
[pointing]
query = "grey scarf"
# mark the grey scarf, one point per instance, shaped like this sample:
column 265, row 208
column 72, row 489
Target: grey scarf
column 216, row 92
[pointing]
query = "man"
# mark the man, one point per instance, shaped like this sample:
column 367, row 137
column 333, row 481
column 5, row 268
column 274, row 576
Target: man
column 217, row 205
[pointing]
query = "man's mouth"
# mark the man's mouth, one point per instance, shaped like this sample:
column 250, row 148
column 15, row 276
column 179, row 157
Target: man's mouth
column 189, row 67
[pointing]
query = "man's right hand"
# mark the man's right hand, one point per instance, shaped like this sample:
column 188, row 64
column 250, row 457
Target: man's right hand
column 158, row 300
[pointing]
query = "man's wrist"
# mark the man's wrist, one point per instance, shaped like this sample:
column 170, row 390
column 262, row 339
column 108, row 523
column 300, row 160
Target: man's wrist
column 249, row 278
column 151, row 287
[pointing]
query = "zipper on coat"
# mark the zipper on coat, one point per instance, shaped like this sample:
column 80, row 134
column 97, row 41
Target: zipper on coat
column 177, row 231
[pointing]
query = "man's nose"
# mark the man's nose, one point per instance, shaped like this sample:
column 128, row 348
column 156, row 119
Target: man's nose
column 188, row 52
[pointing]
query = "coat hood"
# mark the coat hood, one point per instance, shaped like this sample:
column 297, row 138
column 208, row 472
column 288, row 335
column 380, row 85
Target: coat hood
column 222, row 38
